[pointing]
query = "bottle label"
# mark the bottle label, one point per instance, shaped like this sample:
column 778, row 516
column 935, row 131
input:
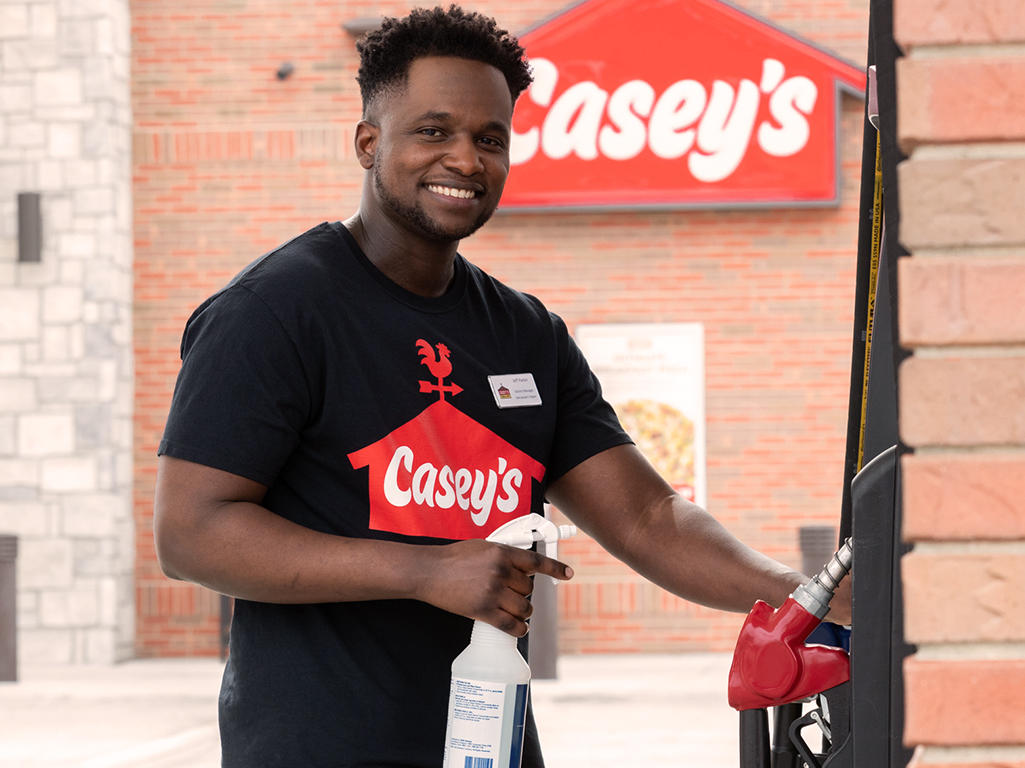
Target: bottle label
column 485, row 728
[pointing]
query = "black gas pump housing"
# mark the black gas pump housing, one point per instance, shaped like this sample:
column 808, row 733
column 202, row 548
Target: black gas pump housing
column 865, row 716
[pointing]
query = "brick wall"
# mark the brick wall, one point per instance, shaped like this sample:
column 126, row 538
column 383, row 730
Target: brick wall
column 65, row 327
column 229, row 161
column 961, row 116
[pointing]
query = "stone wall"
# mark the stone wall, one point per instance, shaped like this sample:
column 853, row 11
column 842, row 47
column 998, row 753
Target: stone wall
column 65, row 327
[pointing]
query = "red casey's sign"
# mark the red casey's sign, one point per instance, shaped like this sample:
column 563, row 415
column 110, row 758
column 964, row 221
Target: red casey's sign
column 674, row 103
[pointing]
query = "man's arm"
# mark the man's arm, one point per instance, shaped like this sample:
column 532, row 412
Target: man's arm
column 619, row 499
column 210, row 528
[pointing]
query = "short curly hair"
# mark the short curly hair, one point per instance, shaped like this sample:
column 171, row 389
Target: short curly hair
column 387, row 52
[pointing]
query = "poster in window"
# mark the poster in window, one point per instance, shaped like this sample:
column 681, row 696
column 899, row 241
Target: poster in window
column 653, row 374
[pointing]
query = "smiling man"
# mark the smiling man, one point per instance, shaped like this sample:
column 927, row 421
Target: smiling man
column 458, row 155
column 358, row 409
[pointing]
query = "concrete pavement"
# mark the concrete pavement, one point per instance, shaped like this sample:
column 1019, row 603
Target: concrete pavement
column 622, row 711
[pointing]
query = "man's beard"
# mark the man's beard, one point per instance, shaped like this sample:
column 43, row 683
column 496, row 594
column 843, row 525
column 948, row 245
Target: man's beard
column 417, row 218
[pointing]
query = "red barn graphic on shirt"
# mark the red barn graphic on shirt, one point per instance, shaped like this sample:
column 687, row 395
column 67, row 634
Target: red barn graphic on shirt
column 442, row 474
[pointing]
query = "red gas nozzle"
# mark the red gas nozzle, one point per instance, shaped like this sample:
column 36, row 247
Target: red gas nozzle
column 771, row 663
column 773, row 666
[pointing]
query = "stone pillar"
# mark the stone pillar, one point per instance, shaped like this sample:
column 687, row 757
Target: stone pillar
column 961, row 118
column 66, row 327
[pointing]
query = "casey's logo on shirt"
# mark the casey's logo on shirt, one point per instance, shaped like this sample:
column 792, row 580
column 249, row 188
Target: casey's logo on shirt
column 442, row 474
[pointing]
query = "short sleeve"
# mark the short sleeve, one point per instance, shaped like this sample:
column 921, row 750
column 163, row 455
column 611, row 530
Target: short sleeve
column 586, row 424
column 241, row 398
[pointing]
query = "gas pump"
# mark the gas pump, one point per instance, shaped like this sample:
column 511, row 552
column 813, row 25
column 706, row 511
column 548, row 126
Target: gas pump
column 783, row 659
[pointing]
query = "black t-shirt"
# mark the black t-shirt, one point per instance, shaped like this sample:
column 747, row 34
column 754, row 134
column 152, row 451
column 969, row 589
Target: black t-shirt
column 372, row 412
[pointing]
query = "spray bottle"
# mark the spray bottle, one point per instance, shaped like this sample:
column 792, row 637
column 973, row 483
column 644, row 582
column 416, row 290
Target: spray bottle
column 488, row 697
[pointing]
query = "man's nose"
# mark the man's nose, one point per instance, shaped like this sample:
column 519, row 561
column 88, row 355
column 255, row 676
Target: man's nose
column 464, row 156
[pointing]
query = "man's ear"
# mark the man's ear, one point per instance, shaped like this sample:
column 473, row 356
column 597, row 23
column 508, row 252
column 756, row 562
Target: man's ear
column 365, row 141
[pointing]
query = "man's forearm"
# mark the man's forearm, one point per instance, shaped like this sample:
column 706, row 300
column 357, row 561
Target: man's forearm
column 694, row 556
column 210, row 528
column 618, row 498
column 244, row 550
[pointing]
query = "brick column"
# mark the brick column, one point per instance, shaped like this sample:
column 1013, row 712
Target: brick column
column 961, row 118
column 65, row 327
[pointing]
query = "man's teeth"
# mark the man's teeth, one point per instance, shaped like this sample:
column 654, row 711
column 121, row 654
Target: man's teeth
column 464, row 194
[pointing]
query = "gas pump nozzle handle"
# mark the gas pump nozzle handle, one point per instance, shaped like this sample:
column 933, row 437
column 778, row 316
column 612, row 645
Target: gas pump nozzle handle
column 772, row 665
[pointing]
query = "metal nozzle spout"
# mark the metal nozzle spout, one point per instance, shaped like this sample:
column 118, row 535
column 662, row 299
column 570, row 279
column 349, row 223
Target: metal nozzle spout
column 839, row 565
column 815, row 595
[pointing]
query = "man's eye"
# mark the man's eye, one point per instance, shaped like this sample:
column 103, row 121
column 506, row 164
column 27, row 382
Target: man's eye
column 431, row 132
column 492, row 142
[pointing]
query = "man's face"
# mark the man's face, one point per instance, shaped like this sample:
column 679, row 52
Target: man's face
column 442, row 153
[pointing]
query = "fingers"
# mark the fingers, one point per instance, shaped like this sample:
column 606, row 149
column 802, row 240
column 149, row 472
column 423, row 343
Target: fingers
column 531, row 562
column 508, row 624
column 513, row 613
column 840, row 606
column 516, row 605
column 519, row 581
column 512, row 607
column 487, row 581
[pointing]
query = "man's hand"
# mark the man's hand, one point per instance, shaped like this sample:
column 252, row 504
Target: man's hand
column 840, row 605
column 486, row 581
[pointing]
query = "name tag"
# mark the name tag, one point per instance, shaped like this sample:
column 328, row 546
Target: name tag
column 514, row 390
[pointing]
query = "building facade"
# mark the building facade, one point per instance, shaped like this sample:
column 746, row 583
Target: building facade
column 167, row 153
column 157, row 187
column 230, row 160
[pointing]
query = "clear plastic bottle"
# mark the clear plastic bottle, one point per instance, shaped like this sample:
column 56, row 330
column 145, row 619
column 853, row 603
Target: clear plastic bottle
column 488, row 696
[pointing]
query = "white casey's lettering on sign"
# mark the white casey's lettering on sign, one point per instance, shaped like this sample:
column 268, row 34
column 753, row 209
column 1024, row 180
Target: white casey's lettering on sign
column 444, row 487
column 716, row 128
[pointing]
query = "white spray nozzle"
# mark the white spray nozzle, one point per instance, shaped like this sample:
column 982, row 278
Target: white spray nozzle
column 524, row 531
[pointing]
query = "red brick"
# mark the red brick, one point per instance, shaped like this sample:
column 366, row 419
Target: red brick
column 964, row 597
column 928, row 761
column 963, row 496
column 937, row 22
column 965, row 300
column 950, row 703
column 945, row 99
column 957, row 201
column 962, row 401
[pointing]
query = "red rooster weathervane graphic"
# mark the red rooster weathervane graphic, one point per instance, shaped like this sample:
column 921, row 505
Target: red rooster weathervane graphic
column 439, row 366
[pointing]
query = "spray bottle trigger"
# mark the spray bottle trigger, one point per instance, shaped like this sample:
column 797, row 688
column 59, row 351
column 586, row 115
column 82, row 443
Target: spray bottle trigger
column 523, row 531
column 551, row 536
column 552, row 546
column 519, row 532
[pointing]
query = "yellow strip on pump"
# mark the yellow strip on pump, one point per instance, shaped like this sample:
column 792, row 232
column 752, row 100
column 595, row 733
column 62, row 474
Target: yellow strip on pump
column 873, row 279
